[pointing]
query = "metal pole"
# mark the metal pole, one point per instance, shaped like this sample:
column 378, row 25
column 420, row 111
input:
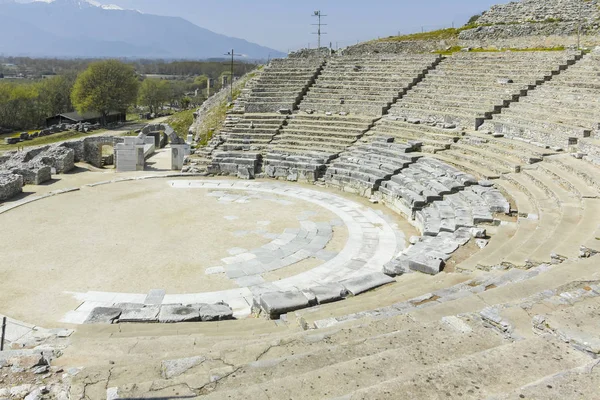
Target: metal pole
column 231, row 83
column 3, row 333
column 319, row 43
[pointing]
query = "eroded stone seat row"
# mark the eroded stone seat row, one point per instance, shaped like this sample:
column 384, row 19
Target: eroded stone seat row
column 452, row 92
column 561, row 113
column 282, row 84
column 367, row 85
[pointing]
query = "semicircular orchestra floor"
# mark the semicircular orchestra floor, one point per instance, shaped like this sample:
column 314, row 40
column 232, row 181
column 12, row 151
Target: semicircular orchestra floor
column 184, row 241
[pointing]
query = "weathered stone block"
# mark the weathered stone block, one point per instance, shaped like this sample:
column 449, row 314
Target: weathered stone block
column 276, row 303
column 10, row 185
column 367, row 282
column 215, row 312
column 426, row 265
column 329, row 293
column 177, row 313
column 144, row 314
column 103, row 315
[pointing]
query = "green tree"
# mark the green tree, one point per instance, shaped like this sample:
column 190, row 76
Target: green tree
column 18, row 108
column 55, row 94
column 154, row 93
column 473, row 19
column 105, row 86
column 176, row 93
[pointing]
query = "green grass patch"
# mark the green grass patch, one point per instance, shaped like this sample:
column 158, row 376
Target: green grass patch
column 181, row 122
column 55, row 138
column 456, row 49
column 452, row 33
column 215, row 118
column 440, row 34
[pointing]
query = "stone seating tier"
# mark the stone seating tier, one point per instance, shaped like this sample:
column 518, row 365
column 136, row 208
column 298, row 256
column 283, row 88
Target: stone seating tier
column 288, row 75
column 303, row 133
column 363, row 168
column 345, row 84
column 424, row 181
column 559, row 113
column 252, row 132
column 465, row 74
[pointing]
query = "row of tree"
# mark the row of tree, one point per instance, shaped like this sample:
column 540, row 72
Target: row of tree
column 37, row 67
column 103, row 87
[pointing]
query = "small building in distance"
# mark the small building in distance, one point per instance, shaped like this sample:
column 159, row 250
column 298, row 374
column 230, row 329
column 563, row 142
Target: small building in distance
column 89, row 117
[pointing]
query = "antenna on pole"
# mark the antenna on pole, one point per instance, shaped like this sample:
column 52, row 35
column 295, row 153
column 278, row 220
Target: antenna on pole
column 319, row 33
column 232, row 54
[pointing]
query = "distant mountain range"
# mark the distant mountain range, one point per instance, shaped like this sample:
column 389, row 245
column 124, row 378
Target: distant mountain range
column 81, row 28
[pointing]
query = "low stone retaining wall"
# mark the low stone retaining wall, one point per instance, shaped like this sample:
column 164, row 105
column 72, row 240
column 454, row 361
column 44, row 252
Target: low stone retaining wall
column 10, row 185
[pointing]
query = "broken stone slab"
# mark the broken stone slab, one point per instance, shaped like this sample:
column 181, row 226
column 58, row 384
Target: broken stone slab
column 172, row 368
column 103, row 315
column 426, row 265
column 144, row 314
column 276, row 303
column 215, row 312
column 491, row 316
column 364, row 283
column 396, row 267
column 478, row 233
column 24, row 359
column 481, row 243
column 329, row 293
column 170, row 314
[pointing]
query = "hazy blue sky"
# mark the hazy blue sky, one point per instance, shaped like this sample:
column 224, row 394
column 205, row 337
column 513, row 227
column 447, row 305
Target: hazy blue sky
column 284, row 24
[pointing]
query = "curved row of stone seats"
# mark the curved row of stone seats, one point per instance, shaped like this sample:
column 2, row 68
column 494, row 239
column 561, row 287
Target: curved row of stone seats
column 557, row 216
column 466, row 209
column 275, row 304
column 282, row 84
column 479, row 327
column 491, row 156
column 365, row 85
column 558, row 113
column 429, row 254
column 432, row 138
column 467, row 88
column 423, row 182
column 307, row 167
column 120, row 313
column 308, row 142
column 252, row 132
column 363, row 168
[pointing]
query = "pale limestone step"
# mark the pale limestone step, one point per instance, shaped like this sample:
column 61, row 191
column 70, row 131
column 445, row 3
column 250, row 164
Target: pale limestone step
column 586, row 171
column 501, row 235
column 491, row 157
column 467, row 166
column 482, row 374
column 585, row 232
column 579, row 382
column 381, row 364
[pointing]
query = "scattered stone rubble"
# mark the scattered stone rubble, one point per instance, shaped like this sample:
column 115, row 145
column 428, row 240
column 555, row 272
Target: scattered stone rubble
column 84, row 127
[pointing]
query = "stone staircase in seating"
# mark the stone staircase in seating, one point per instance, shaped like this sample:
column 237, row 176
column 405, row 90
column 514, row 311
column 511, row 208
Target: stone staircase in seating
column 365, row 85
column 561, row 113
column 308, row 142
column 282, row 84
